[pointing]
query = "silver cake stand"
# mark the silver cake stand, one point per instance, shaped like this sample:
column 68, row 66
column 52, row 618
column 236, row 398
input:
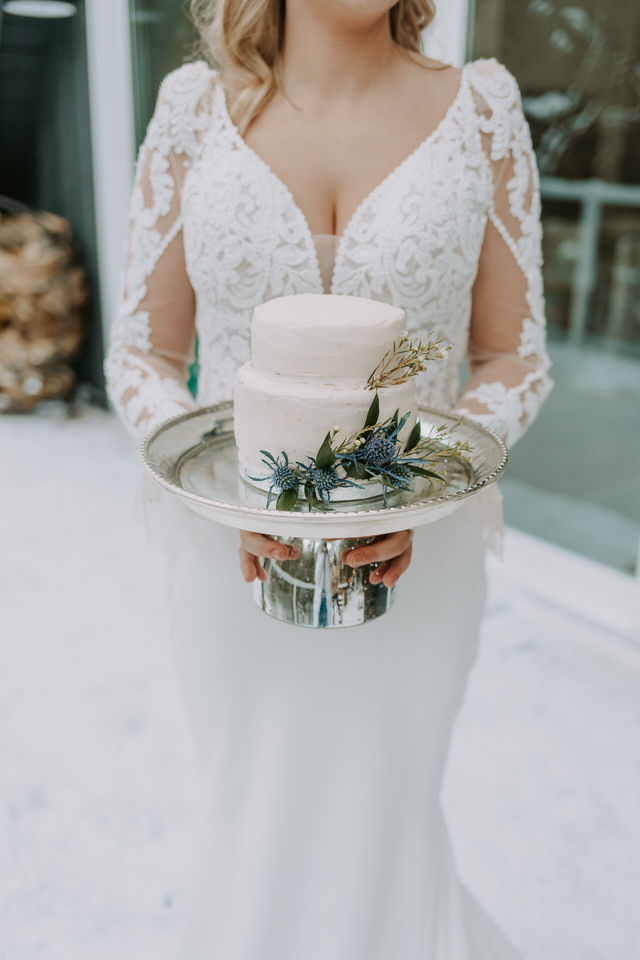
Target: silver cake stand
column 194, row 456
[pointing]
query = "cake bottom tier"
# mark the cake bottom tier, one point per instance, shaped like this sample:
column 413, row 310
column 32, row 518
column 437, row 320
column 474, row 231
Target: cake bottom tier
column 292, row 416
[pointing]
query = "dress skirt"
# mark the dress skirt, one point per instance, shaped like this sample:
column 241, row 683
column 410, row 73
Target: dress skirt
column 321, row 756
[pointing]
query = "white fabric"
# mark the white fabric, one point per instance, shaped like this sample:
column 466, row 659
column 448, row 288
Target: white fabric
column 326, row 245
column 322, row 752
column 452, row 236
column 321, row 756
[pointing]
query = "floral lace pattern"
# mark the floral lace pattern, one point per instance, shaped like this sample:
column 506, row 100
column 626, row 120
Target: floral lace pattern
column 213, row 232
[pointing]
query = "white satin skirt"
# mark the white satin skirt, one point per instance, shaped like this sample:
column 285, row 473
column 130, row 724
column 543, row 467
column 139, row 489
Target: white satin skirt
column 321, row 756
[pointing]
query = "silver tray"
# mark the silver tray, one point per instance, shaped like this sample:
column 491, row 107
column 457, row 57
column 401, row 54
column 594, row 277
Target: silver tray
column 194, row 457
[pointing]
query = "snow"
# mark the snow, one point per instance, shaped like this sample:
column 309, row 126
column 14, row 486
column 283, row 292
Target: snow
column 98, row 774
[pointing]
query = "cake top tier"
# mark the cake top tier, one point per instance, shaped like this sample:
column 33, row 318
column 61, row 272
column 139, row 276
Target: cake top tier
column 324, row 336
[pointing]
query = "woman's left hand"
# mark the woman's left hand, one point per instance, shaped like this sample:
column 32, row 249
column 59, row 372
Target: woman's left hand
column 392, row 551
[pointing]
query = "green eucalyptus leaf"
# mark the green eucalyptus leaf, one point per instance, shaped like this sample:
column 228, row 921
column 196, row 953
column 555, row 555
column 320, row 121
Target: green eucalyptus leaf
column 308, row 492
column 414, row 437
column 373, row 412
column 429, row 474
column 314, row 502
column 287, row 500
column 325, row 456
column 354, row 470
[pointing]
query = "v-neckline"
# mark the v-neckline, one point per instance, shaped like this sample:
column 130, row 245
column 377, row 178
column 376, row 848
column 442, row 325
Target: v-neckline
column 393, row 173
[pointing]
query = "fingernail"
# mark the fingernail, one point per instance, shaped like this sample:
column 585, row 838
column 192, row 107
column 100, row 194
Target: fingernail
column 294, row 552
column 354, row 559
column 280, row 553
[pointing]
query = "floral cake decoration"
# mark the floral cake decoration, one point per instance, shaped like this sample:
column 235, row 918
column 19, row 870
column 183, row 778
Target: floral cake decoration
column 374, row 452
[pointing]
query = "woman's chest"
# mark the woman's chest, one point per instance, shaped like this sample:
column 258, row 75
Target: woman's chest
column 332, row 158
column 419, row 229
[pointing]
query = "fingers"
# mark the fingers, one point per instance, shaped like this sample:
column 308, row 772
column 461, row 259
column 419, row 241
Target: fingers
column 386, row 548
column 376, row 575
column 390, row 571
column 261, row 546
column 251, row 566
column 392, row 553
column 255, row 545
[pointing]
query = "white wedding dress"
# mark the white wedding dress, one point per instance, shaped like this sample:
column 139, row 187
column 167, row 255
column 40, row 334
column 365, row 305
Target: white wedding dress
column 322, row 752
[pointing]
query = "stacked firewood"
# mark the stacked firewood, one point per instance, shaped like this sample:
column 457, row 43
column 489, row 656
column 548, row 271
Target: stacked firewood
column 42, row 294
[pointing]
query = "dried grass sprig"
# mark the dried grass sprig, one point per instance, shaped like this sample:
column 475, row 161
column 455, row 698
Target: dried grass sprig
column 406, row 359
column 433, row 446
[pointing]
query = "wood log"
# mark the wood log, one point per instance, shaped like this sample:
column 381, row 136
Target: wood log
column 43, row 290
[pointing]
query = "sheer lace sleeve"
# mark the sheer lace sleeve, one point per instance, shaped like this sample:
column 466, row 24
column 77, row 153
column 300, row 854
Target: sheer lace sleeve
column 507, row 356
column 153, row 334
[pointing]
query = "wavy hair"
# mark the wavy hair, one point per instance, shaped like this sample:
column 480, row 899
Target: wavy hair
column 245, row 36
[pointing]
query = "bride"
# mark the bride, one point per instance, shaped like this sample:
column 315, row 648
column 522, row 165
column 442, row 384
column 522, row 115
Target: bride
column 325, row 153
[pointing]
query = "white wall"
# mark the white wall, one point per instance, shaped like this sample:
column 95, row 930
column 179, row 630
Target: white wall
column 112, row 134
column 446, row 37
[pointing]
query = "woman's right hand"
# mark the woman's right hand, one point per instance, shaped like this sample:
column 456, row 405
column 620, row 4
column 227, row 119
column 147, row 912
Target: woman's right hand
column 255, row 546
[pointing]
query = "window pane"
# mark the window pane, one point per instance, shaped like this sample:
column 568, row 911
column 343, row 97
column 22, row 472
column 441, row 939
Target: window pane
column 575, row 477
column 162, row 38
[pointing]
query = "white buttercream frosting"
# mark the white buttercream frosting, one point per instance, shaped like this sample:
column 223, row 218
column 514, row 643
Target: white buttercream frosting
column 312, row 355
column 274, row 413
column 323, row 336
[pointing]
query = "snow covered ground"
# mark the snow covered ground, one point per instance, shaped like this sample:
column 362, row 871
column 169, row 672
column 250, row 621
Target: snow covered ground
column 98, row 783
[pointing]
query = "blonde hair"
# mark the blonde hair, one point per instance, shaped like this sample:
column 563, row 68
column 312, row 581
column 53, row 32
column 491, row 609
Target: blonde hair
column 245, row 37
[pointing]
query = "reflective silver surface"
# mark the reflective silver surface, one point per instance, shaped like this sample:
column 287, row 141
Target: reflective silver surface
column 318, row 590
column 194, row 456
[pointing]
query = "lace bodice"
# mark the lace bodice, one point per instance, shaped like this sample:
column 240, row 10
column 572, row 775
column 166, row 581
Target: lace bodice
column 326, row 248
column 451, row 235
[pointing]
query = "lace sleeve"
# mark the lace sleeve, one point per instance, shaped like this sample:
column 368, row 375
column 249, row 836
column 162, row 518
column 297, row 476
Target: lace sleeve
column 507, row 356
column 153, row 335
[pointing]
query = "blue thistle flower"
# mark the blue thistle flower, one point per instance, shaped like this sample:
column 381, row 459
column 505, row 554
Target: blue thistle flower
column 377, row 451
column 320, row 481
column 396, row 475
column 324, row 479
column 401, row 473
column 282, row 476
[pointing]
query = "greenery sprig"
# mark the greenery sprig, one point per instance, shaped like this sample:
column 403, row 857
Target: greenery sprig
column 374, row 453
column 406, row 359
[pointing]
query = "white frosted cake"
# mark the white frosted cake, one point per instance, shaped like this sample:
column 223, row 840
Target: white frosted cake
column 311, row 358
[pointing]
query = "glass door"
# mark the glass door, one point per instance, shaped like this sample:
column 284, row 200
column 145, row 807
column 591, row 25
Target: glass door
column 574, row 479
column 161, row 39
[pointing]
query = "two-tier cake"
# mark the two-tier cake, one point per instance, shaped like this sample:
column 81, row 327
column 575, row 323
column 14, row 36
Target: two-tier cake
column 311, row 359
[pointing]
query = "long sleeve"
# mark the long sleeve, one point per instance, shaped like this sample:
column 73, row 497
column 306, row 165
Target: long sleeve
column 507, row 356
column 153, row 335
